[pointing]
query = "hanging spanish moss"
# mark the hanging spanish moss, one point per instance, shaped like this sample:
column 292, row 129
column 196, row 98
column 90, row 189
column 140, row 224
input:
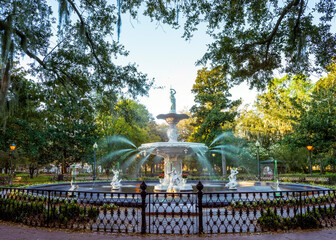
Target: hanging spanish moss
column 119, row 18
column 63, row 14
column 177, row 10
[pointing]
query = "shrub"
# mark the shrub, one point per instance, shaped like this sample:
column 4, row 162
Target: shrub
column 110, row 206
column 269, row 219
column 20, row 207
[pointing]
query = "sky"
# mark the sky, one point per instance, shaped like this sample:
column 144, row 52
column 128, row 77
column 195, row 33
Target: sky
column 160, row 52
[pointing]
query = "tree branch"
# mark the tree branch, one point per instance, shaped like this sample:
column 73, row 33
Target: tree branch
column 87, row 34
column 270, row 37
column 298, row 19
column 53, row 69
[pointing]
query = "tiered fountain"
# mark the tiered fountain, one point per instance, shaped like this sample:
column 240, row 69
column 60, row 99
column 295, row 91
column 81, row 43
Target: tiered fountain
column 173, row 151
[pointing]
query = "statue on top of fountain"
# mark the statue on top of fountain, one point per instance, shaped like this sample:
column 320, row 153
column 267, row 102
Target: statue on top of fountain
column 115, row 182
column 232, row 184
column 172, row 100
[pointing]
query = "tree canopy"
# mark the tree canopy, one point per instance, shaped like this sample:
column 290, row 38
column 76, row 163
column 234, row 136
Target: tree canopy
column 213, row 111
column 77, row 51
column 274, row 110
column 316, row 123
column 254, row 38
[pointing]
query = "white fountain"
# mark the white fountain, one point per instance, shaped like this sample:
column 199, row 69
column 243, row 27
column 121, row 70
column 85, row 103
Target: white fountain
column 232, row 184
column 115, row 182
column 173, row 151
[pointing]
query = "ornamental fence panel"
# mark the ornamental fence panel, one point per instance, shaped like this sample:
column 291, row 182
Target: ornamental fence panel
column 170, row 213
column 175, row 213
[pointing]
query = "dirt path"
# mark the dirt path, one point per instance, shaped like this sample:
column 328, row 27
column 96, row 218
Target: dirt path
column 12, row 231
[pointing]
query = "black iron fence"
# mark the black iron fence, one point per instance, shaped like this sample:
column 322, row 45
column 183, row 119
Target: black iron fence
column 170, row 213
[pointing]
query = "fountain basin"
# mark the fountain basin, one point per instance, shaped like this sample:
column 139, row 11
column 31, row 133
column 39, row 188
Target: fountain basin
column 209, row 186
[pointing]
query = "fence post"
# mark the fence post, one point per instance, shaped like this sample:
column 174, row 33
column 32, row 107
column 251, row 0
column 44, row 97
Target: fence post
column 199, row 187
column 301, row 221
column 49, row 212
column 143, row 187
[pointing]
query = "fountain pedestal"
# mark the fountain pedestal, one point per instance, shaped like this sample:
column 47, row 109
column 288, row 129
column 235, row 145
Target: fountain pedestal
column 173, row 154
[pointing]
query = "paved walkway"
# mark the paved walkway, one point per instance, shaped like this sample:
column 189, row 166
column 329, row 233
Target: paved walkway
column 12, row 231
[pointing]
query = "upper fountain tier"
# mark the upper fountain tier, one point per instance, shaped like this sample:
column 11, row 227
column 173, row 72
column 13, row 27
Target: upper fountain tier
column 173, row 147
column 173, row 151
column 172, row 118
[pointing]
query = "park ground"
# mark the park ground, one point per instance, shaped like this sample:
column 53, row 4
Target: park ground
column 13, row 231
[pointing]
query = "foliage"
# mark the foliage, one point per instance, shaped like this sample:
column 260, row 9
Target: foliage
column 110, row 207
column 71, row 131
column 236, row 150
column 316, row 123
column 127, row 121
column 32, row 206
column 79, row 57
column 292, row 160
column 186, row 127
column 271, row 220
column 272, row 117
column 254, row 38
column 213, row 111
column 48, row 126
column 273, row 112
column 26, row 128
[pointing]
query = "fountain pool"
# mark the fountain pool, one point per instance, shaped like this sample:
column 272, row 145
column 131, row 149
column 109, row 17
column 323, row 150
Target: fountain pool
column 209, row 186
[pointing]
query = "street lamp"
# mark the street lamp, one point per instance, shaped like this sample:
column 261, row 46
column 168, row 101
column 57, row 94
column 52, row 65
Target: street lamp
column 12, row 147
column 95, row 146
column 213, row 164
column 310, row 149
column 258, row 146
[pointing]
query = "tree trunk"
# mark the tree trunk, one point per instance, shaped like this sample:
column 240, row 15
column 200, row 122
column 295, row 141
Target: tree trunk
column 152, row 169
column 31, row 172
column 321, row 168
column 4, row 84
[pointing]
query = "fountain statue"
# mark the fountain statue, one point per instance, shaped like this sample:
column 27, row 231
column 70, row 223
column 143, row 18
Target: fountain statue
column 72, row 186
column 232, row 184
column 115, row 182
column 173, row 151
column 173, row 177
column 172, row 101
